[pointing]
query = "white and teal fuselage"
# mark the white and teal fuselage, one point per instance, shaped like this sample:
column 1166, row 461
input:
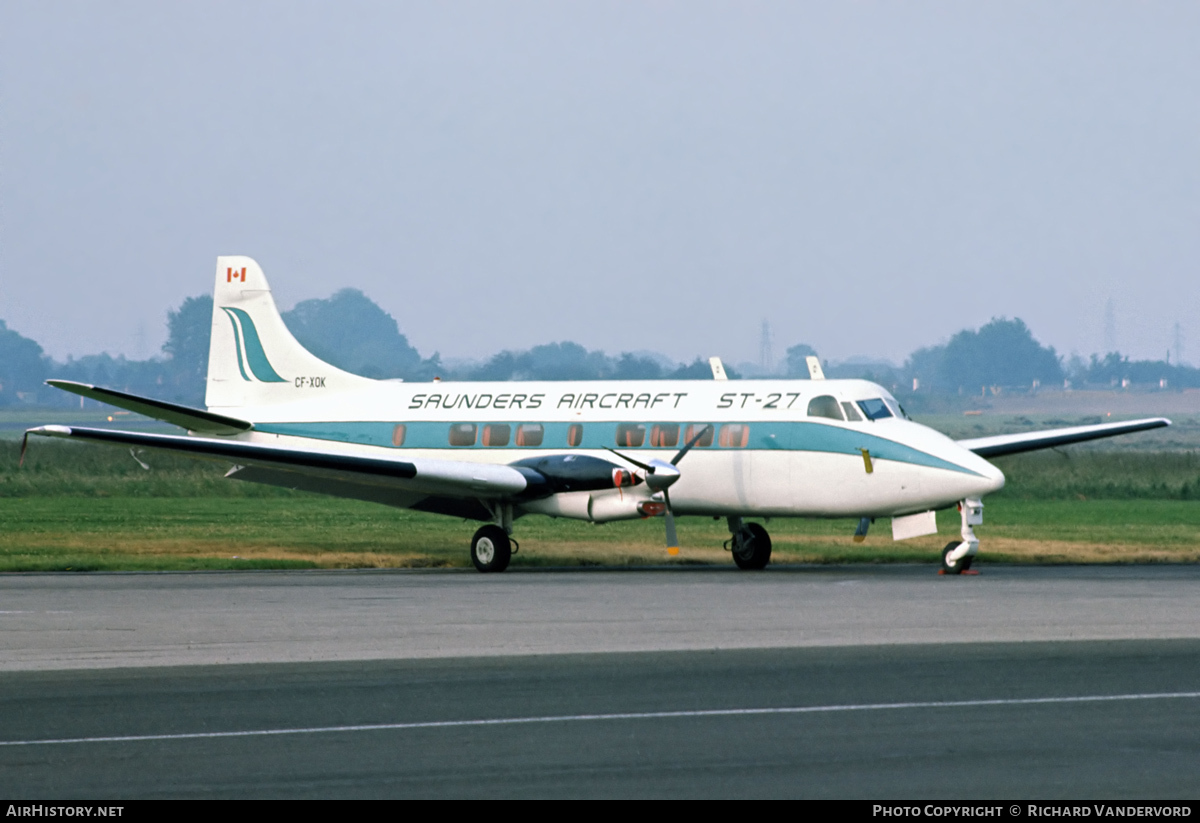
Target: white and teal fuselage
column 791, row 464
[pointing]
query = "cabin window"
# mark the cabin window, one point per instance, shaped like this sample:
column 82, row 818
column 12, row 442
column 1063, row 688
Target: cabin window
column 874, row 409
column 496, row 434
column 704, row 431
column 825, row 406
column 664, row 435
column 631, row 435
column 574, row 434
column 462, row 434
column 851, row 413
column 530, row 434
column 398, row 434
column 734, row 436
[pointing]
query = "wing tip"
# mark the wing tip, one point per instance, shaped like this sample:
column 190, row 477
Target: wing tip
column 51, row 431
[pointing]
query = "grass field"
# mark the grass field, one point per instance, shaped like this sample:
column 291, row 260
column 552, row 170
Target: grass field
column 81, row 507
column 84, row 534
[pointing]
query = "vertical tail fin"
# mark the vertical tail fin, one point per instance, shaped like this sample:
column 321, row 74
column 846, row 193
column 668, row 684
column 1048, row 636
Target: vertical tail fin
column 253, row 360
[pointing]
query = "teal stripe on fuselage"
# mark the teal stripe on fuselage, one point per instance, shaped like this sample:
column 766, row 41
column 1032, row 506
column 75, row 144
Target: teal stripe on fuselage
column 764, row 436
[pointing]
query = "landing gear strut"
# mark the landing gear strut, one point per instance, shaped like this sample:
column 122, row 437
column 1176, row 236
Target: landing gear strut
column 750, row 544
column 957, row 556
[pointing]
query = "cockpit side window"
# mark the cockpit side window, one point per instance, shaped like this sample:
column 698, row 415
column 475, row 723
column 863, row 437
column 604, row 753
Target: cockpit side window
column 875, row 408
column 896, row 408
column 825, row 406
column 851, row 412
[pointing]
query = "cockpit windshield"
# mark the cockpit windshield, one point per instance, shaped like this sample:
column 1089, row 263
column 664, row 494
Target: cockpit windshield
column 874, row 409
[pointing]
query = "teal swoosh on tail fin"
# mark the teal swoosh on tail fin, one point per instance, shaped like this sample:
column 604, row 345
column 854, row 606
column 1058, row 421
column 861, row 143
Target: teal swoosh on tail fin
column 256, row 357
column 237, row 343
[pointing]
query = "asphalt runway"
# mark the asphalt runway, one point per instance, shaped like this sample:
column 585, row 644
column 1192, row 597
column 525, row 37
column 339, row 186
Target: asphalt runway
column 1146, row 747
column 57, row 621
column 864, row 682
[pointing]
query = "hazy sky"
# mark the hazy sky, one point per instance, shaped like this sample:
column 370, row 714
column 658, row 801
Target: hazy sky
column 869, row 177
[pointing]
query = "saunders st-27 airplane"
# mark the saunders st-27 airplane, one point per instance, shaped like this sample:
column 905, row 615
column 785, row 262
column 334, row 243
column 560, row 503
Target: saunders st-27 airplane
column 596, row 450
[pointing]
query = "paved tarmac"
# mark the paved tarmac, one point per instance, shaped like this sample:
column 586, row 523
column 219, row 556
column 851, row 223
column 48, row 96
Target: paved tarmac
column 57, row 621
column 870, row 682
column 1146, row 747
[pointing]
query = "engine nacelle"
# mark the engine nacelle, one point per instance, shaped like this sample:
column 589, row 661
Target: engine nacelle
column 597, row 506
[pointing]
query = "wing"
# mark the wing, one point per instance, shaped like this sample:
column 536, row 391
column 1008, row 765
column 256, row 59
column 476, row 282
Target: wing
column 399, row 481
column 197, row 420
column 1003, row 444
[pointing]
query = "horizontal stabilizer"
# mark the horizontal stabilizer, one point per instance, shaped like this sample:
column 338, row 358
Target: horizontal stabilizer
column 1003, row 444
column 197, row 420
column 455, row 478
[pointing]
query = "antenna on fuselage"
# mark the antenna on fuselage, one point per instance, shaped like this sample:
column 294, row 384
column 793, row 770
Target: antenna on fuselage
column 718, row 368
column 814, row 368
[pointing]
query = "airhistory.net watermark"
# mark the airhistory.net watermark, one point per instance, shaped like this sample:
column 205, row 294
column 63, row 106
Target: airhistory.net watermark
column 43, row 810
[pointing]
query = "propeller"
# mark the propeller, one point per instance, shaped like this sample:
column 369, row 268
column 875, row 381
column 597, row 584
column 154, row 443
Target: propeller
column 660, row 475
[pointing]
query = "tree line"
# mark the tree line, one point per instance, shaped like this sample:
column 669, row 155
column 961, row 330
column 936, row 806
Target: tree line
column 353, row 333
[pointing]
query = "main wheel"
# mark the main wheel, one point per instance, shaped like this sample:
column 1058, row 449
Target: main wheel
column 491, row 549
column 752, row 547
column 960, row 565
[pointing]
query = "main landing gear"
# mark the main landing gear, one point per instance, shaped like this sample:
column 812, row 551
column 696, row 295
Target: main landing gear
column 958, row 554
column 492, row 547
column 750, row 544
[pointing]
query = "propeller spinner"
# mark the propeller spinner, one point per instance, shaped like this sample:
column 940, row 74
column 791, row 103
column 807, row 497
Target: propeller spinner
column 660, row 475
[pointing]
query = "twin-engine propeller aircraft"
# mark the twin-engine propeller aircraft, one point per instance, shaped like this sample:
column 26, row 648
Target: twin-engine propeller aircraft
column 597, row 450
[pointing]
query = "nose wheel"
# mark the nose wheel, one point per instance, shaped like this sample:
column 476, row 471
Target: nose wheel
column 958, row 554
column 952, row 565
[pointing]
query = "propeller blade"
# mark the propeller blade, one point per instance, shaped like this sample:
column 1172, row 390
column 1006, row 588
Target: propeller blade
column 692, row 442
column 659, row 476
column 860, row 533
column 672, row 537
column 642, row 466
column 24, row 444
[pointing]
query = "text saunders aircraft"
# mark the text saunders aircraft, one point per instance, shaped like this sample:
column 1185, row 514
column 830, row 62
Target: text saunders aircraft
column 596, row 450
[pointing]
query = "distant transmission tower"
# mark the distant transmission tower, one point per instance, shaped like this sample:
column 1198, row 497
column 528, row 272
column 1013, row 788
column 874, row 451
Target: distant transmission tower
column 766, row 358
column 1110, row 327
column 1178, row 344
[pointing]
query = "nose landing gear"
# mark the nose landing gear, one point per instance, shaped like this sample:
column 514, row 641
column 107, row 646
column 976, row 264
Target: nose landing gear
column 957, row 556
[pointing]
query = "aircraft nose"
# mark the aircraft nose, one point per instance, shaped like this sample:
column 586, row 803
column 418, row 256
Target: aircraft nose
column 992, row 479
column 983, row 477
